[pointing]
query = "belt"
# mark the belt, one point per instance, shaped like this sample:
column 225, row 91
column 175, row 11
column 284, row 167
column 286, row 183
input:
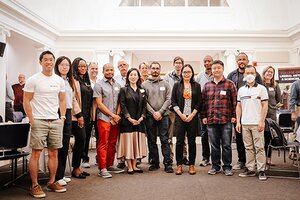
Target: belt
column 48, row 120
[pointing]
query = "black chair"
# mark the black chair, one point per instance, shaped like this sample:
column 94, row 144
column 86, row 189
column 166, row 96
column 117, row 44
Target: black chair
column 13, row 137
column 285, row 122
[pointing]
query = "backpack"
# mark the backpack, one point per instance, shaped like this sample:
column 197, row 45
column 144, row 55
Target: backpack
column 277, row 136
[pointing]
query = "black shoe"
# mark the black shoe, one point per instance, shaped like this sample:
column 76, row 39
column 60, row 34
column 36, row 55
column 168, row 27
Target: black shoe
column 169, row 169
column 121, row 165
column 153, row 167
column 186, row 161
column 138, row 161
column 138, row 170
column 130, row 172
column 80, row 176
column 85, row 173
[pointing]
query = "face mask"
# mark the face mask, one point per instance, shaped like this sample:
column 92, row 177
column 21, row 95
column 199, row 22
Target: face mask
column 249, row 78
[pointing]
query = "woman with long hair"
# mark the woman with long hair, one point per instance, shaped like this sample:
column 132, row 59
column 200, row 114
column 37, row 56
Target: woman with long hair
column 274, row 93
column 84, row 95
column 63, row 68
column 132, row 142
column 186, row 102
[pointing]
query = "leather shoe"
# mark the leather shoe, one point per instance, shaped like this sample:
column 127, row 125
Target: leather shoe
column 192, row 170
column 130, row 172
column 85, row 173
column 153, row 167
column 80, row 176
column 179, row 170
column 138, row 170
column 169, row 169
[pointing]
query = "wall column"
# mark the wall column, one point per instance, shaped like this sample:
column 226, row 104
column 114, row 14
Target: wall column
column 117, row 55
column 230, row 64
column 4, row 33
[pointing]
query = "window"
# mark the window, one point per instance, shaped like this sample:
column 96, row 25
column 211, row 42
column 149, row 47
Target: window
column 170, row 3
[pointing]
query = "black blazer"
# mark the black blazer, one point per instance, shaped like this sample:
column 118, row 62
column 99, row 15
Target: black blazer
column 177, row 96
column 133, row 109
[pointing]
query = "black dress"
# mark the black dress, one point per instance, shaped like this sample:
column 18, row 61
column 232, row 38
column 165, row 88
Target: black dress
column 132, row 141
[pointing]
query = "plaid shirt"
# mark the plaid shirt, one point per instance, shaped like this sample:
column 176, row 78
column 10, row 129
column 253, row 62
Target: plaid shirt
column 219, row 101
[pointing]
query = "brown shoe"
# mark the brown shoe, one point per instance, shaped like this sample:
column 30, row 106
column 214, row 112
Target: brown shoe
column 179, row 170
column 55, row 187
column 37, row 191
column 192, row 170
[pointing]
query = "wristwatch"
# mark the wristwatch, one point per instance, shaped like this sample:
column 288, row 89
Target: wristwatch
column 63, row 117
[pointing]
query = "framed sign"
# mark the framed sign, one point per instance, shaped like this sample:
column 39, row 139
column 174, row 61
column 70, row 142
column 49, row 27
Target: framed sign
column 288, row 75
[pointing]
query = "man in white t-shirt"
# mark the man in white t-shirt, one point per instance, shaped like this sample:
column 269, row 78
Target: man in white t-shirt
column 44, row 96
column 251, row 111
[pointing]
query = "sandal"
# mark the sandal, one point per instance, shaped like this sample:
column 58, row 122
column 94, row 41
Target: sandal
column 80, row 176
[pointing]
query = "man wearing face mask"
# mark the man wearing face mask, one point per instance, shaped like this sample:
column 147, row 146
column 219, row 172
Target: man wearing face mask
column 237, row 77
column 251, row 112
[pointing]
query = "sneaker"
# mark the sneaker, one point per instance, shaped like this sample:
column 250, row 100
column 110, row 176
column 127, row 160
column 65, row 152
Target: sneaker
column 239, row 165
column 247, row 173
column 262, row 176
column 121, row 165
column 104, row 173
column 213, row 171
column 67, row 179
column 37, row 192
column 228, row 172
column 153, row 167
column 55, row 187
column 169, row 169
column 86, row 165
column 115, row 170
column 62, row 182
column 204, row 163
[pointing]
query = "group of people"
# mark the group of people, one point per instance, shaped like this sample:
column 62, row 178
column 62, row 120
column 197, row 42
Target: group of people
column 130, row 110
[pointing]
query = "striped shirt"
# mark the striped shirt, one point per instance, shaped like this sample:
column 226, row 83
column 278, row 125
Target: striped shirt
column 219, row 101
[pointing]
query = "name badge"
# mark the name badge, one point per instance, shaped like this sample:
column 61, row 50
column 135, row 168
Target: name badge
column 117, row 89
column 223, row 92
column 142, row 90
column 271, row 89
column 162, row 88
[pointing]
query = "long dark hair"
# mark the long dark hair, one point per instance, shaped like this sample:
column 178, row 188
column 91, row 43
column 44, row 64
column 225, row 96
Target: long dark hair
column 86, row 78
column 193, row 73
column 70, row 72
column 139, row 82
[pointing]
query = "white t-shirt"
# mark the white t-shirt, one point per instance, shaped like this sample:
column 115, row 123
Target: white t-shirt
column 251, row 98
column 46, row 89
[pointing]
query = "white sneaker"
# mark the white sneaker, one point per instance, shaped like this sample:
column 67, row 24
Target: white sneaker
column 86, row 165
column 67, row 179
column 62, row 182
column 104, row 173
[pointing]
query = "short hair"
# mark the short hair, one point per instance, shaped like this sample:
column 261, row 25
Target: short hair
column 178, row 58
column 240, row 53
column 144, row 63
column 250, row 66
column 218, row 62
column 44, row 53
column 155, row 63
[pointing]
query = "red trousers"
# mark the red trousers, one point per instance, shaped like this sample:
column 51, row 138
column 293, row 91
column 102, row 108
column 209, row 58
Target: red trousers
column 106, row 149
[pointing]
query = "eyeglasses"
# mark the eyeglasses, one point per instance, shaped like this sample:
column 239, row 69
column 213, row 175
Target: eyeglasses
column 187, row 72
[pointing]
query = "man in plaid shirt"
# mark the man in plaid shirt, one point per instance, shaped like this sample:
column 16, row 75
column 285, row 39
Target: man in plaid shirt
column 218, row 112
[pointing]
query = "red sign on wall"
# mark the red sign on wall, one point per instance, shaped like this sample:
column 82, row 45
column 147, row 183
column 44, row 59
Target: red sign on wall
column 288, row 75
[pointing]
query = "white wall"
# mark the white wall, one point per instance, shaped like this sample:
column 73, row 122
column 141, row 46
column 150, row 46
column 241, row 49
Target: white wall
column 21, row 57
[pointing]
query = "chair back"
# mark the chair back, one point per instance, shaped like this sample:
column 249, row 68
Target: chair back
column 14, row 135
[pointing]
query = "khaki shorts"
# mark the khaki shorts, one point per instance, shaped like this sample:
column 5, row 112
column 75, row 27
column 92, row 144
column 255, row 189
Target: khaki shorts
column 46, row 133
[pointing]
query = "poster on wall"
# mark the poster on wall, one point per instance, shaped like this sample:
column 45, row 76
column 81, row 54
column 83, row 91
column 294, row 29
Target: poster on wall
column 288, row 75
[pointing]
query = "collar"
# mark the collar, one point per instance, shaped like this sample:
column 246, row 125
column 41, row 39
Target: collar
column 106, row 80
column 174, row 74
column 255, row 85
column 222, row 80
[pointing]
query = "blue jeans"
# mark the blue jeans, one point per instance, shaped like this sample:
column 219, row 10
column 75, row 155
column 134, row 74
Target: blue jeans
column 204, row 142
column 154, row 129
column 220, row 135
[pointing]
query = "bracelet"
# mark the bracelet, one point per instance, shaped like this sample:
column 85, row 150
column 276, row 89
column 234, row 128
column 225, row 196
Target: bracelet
column 63, row 117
